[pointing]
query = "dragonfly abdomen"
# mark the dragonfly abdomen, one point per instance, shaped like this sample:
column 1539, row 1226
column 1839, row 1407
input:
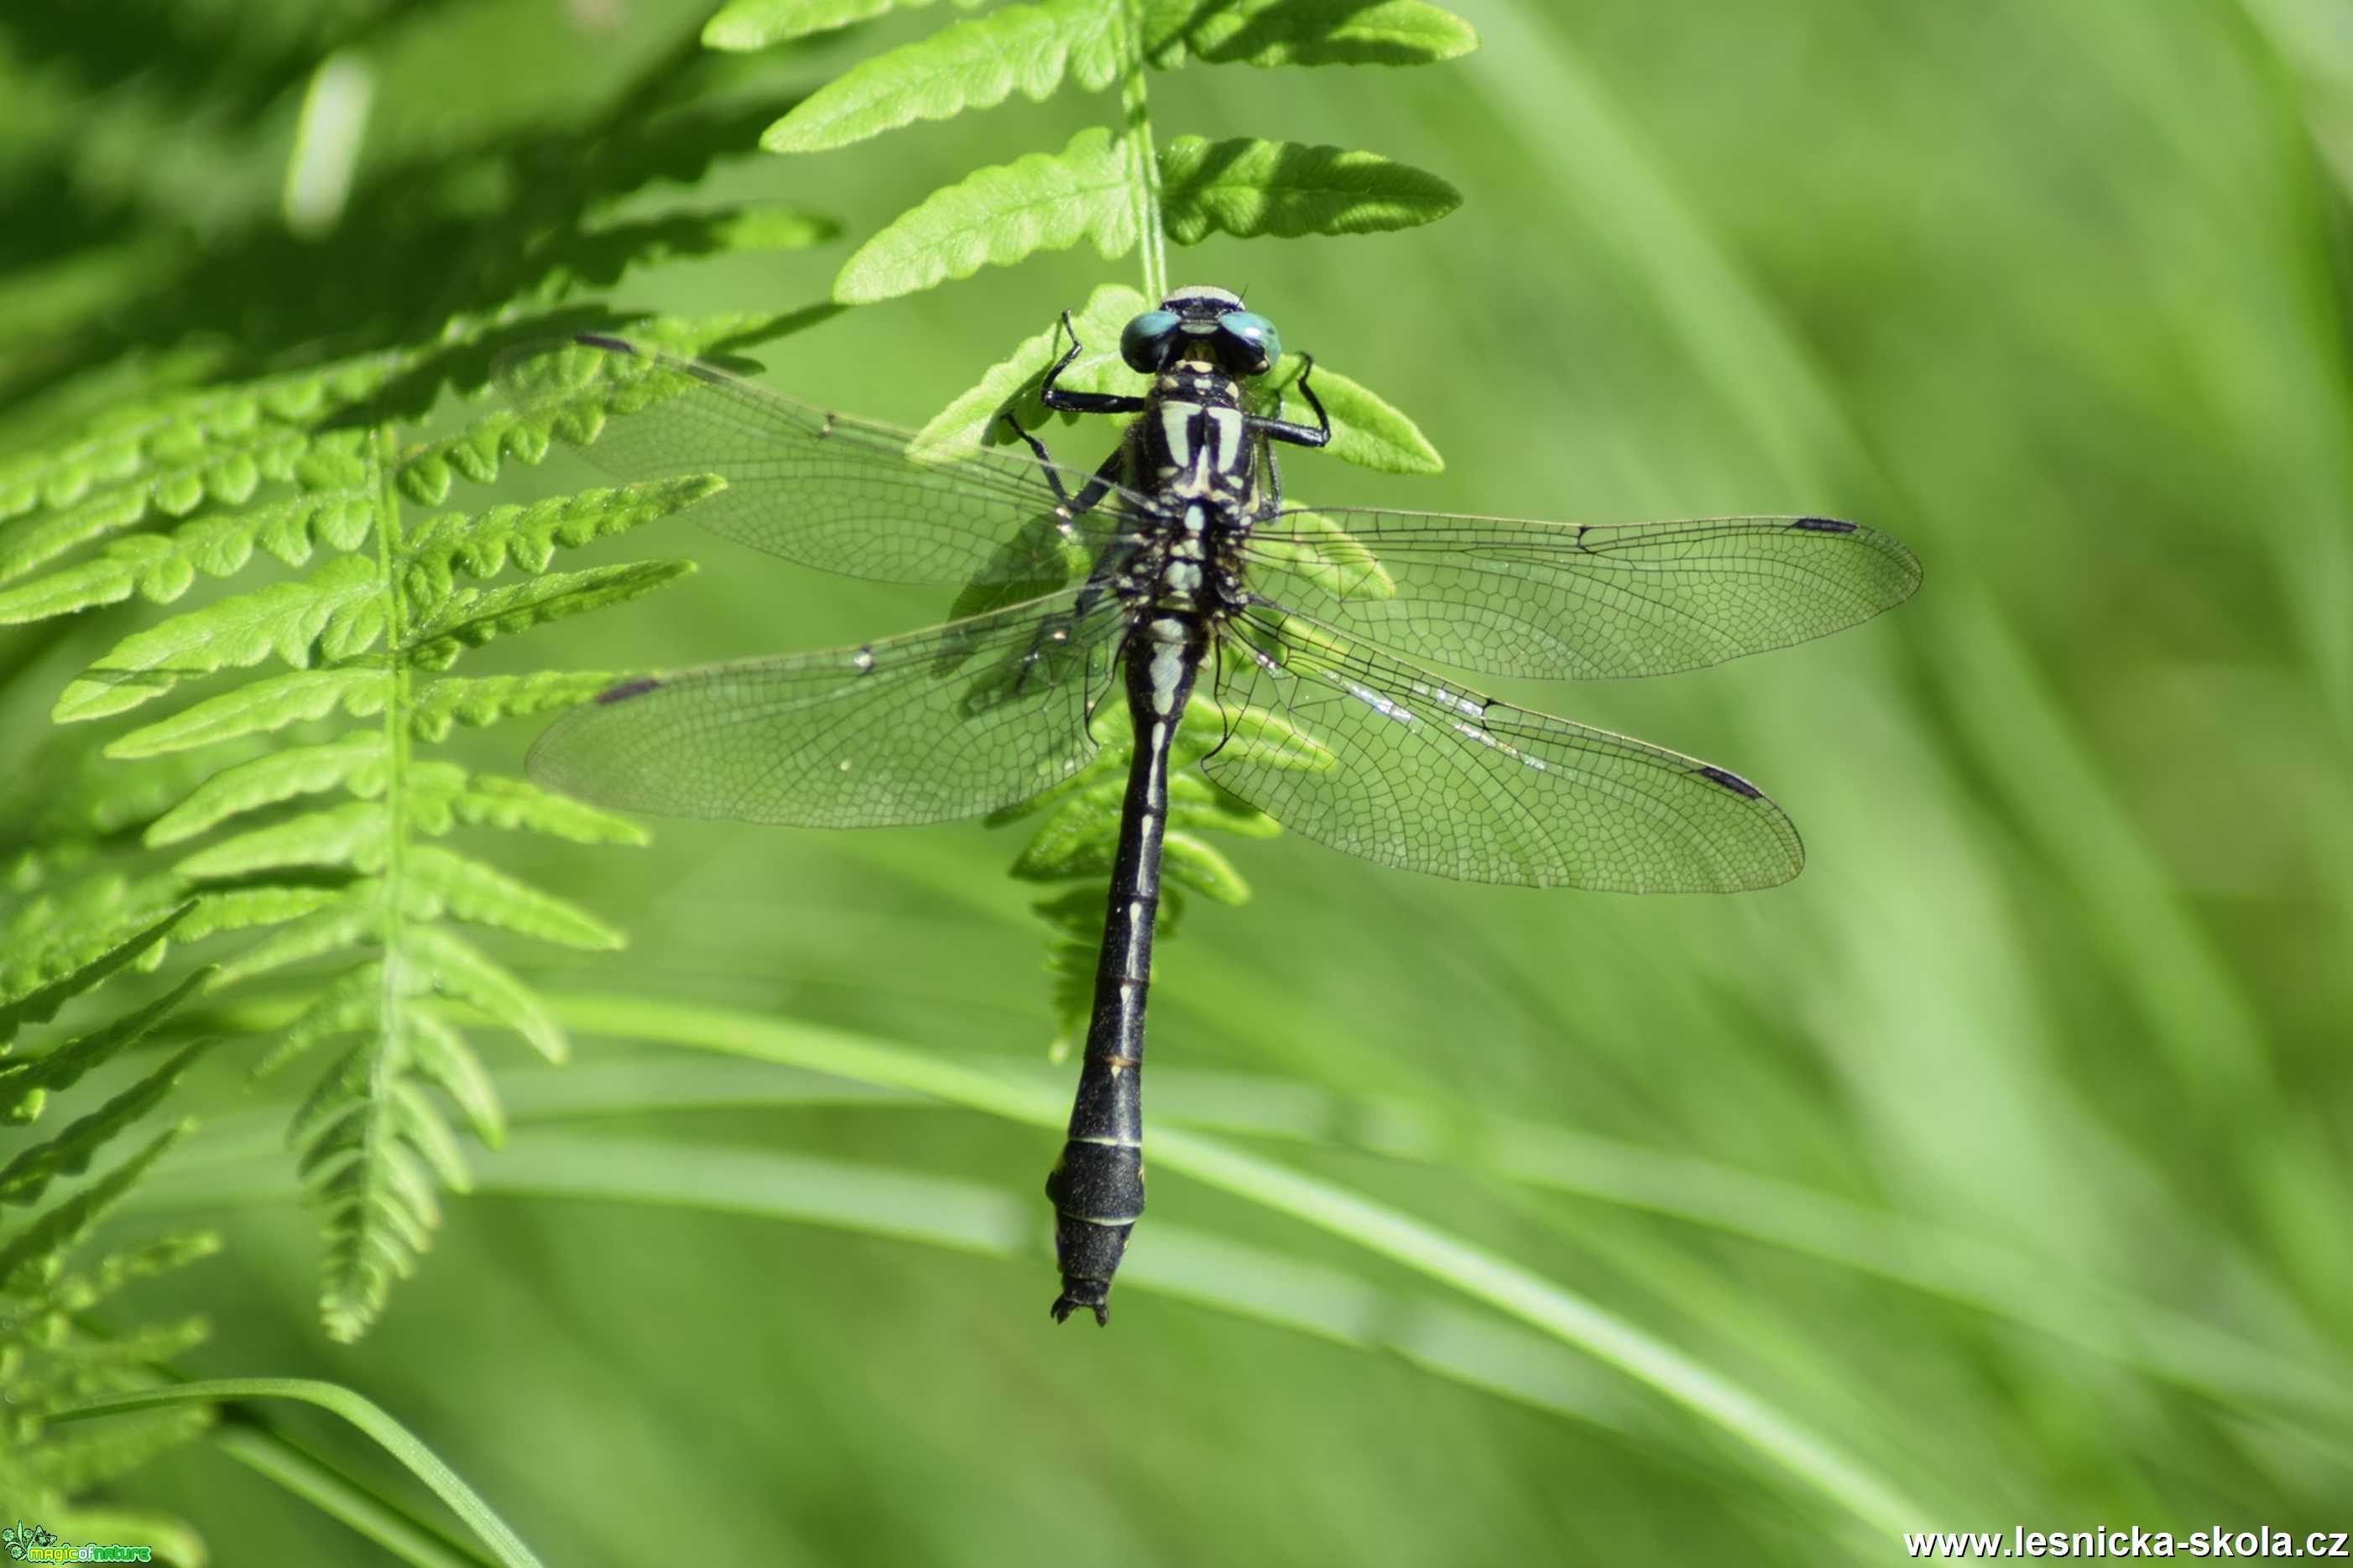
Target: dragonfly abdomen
column 1097, row 1186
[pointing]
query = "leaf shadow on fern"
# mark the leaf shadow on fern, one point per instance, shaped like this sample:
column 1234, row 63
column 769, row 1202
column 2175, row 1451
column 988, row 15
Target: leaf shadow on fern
column 507, row 220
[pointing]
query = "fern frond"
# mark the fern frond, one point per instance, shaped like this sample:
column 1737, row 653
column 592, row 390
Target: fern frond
column 478, row 451
column 261, row 707
column 471, row 890
column 25, row 1085
column 48, row 1356
column 242, row 909
column 334, row 613
column 159, row 568
column 998, row 217
column 1051, row 201
column 356, row 761
column 1366, row 430
column 26, row 1178
column 528, row 536
column 219, row 445
column 311, row 922
column 745, row 24
column 488, row 800
column 473, row 616
column 1303, row 33
column 73, row 971
column 272, row 853
column 1027, row 48
column 34, row 1255
column 356, row 835
column 1247, row 188
column 82, row 913
column 459, row 969
column 478, row 701
column 1112, row 189
column 374, row 1151
column 340, row 610
column 1033, row 49
column 368, row 1136
column 302, row 804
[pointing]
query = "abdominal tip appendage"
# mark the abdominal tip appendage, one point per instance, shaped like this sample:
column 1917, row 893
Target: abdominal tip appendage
column 1091, row 1294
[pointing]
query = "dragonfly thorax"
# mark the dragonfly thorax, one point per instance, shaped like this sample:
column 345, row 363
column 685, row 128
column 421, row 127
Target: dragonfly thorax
column 1195, row 459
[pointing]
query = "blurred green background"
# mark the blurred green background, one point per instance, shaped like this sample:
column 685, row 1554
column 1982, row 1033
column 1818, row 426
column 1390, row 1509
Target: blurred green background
column 2002, row 1156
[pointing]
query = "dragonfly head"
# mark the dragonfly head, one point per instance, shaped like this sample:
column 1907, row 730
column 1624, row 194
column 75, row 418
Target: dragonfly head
column 1205, row 327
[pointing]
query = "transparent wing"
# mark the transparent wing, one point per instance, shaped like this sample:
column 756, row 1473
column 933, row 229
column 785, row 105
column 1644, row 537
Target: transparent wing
column 1561, row 601
column 1407, row 768
column 948, row 723
column 825, row 490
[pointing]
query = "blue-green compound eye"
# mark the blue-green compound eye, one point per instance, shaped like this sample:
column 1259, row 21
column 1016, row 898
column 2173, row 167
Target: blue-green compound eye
column 1255, row 335
column 1144, row 343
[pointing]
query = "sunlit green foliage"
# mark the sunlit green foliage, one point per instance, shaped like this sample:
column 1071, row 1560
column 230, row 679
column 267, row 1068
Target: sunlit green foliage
column 376, row 626
column 323, row 840
column 1106, row 186
column 52, row 1355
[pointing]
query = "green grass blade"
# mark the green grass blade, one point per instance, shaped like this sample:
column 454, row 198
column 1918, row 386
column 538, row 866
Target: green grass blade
column 1468, row 1347
column 1557, row 1312
column 506, row 1547
column 336, row 1495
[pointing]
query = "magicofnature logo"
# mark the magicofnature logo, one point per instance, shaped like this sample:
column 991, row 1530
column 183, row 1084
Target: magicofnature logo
column 32, row 1544
column 21, row 1538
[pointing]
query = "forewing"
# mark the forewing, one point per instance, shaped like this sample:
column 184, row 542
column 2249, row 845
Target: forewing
column 825, row 490
column 1410, row 769
column 1562, row 601
column 937, row 725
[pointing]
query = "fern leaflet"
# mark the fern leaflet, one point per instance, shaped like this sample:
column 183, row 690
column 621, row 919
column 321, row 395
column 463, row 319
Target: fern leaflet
column 51, row 1355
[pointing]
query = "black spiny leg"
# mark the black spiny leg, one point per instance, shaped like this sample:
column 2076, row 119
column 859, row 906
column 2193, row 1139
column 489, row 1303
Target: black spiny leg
column 1300, row 434
column 1091, row 493
column 1063, row 402
column 1068, row 507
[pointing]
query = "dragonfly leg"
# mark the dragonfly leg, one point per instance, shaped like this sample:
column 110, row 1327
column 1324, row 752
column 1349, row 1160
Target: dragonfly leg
column 1091, row 493
column 1054, row 397
column 1296, row 434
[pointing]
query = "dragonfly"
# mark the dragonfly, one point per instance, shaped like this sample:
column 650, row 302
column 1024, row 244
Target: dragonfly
column 1174, row 567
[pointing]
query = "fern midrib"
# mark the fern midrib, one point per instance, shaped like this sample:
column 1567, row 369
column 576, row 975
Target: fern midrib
column 1142, row 160
column 377, row 1127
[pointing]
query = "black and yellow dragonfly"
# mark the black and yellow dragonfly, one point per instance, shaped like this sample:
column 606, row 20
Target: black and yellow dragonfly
column 1176, row 565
